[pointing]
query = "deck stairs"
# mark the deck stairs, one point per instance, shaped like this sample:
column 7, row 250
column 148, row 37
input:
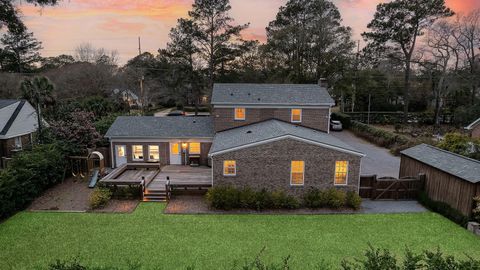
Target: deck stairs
column 155, row 195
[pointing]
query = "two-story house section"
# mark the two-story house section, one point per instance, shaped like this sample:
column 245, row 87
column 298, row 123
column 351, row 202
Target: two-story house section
column 240, row 104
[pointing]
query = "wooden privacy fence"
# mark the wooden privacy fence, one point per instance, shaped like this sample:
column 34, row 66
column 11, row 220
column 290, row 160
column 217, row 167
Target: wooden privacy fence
column 388, row 188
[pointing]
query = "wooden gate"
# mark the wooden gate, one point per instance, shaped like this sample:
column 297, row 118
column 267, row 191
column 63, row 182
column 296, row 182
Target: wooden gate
column 388, row 188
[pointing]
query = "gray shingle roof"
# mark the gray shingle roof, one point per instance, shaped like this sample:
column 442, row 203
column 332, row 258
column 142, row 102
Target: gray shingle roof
column 456, row 165
column 271, row 129
column 270, row 94
column 7, row 102
column 161, row 127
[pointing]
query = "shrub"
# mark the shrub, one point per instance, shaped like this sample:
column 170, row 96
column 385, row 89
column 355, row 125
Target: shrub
column 29, row 173
column 443, row 209
column 247, row 198
column 314, row 198
column 223, row 197
column 99, row 197
column 281, row 200
column 345, row 119
column 476, row 210
column 335, row 198
column 263, row 200
column 461, row 144
column 353, row 200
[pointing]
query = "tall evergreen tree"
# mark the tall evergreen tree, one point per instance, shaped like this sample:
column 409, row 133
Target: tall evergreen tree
column 395, row 29
column 216, row 38
column 310, row 39
column 9, row 16
column 22, row 48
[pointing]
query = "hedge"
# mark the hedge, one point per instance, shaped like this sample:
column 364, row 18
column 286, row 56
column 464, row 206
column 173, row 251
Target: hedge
column 227, row 198
column 345, row 119
column 29, row 173
column 443, row 209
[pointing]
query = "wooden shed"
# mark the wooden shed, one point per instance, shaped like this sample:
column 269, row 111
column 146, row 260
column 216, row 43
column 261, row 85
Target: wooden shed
column 450, row 178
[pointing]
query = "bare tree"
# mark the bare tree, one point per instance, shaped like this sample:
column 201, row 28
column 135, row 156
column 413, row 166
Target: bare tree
column 467, row 35
column 86, row 52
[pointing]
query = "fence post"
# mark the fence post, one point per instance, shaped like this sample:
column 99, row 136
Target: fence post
column 422, row 182
column 374, row 187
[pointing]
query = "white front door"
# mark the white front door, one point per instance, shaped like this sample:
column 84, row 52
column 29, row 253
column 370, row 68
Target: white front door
column 175, row 154
column 120, row 154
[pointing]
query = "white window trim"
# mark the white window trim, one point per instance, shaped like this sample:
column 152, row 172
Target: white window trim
column 291, row 115
column 133, row 153
column 149, row 159
column 235, row 114
column 303, row 175
column 346, row 176
column 199, row 149
column 18, row 146
column 235, row 168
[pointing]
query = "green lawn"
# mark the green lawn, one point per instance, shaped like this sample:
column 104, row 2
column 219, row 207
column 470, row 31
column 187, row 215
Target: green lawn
column 160, row 241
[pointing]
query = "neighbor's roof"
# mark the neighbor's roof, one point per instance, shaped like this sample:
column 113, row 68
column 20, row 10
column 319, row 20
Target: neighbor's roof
column 473, row 124
column 161, row 127
column 270, row 94
column 270, row 130
column 451, row 163
column 17, row 117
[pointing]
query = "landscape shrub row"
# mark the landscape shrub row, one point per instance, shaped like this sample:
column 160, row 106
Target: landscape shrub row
column 443, row 209
column 227, row 198
column 99, row 197
column 373, row 259
column 28, row 174
column 381, row 137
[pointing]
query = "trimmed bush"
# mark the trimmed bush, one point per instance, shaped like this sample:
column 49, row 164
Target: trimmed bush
column 345, row 119
column 476, row 210
column 99, row 197
column 353, row 200
column 335, row 198
column 443, row 209
column 228, row 198
column 29, row 173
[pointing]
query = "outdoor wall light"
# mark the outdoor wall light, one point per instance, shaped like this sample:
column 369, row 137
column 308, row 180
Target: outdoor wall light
column 184, row 146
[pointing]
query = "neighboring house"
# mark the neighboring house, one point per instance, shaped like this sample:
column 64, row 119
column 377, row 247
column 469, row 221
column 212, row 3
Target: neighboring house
column 273, row 136
column 450, row 178
column 18, row 121
column 128, row 96
column 474, row 129
column 166, row 140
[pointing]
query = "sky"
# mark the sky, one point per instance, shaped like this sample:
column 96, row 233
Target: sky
column 117, row 24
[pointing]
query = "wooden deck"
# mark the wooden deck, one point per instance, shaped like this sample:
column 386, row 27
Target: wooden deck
column 132, row 174
column 182, row 177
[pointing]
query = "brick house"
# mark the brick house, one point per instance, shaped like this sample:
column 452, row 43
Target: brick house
column 18, row 122
column 474, row 129
column 273, row 136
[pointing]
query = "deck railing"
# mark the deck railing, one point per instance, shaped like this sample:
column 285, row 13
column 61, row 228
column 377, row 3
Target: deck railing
column 168, row 190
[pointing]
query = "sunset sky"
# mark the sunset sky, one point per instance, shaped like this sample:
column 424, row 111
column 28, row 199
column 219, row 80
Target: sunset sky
column 116, row 24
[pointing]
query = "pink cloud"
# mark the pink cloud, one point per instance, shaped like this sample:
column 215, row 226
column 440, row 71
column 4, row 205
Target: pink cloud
column 114, row 25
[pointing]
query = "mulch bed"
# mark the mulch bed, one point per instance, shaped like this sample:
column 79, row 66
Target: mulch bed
column 191, row 204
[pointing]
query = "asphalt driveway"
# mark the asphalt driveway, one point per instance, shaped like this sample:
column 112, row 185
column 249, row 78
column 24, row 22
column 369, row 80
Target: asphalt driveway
column 378, row 160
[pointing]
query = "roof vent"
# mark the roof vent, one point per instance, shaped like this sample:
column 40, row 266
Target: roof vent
column 249, row 94
column 258, row 99
column 248, row 132
column 194, row 121
column 231, row 94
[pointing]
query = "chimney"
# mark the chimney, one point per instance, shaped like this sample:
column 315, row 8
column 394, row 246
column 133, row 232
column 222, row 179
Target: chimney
column 323, row 82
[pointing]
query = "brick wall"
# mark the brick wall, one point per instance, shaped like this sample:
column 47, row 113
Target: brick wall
column 476, row 132
column 164, row 152
column 7, row 146
column 268, row 166
column 312, row 118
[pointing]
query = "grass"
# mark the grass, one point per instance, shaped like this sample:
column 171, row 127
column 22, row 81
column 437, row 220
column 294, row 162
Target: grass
column 33, row 240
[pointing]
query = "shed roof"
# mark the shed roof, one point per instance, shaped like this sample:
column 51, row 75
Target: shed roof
column 17, row 117
column 7, row 102
column 269, row 130
column 473, row 124
column 161, row 127
column 462, row 167
column 270, row 94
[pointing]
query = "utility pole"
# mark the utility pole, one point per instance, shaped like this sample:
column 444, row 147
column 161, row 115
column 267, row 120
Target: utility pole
column 354, row 95
column 139, row 46
column 369, row 102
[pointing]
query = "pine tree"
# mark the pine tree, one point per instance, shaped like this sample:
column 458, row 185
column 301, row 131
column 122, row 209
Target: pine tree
column 22, row 48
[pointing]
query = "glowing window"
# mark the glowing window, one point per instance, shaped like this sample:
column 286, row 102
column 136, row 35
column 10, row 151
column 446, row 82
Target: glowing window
column 137, row 151
column 229, row 167
column 174, row 148
column 296, row 115
column 297, row 172
column 153, row 153
column 121, row 151
column 341, row 172
column 194, row 148
column 239, row 113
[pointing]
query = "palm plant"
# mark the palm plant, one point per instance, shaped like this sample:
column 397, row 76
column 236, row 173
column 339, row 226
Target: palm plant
column 38, row 91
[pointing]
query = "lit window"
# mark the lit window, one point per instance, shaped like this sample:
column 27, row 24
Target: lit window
column 153, row 153
column 297, row 173
column 229, row 167
column 194, row 148
column 296, row 115
column 174, row 148
column 239, row 113
column 137, row 152
column 121, row 151
column 341, row 171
